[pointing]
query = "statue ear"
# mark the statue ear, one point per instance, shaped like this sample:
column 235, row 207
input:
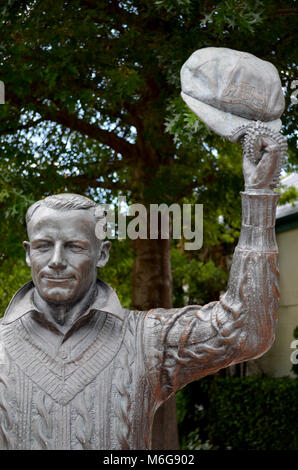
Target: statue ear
column 26, row 245
column 103, row 254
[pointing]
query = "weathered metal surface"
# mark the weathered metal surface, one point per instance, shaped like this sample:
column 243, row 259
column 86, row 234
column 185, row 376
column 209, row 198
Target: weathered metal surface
column 77, row 371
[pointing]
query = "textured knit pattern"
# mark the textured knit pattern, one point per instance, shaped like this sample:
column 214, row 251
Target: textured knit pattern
column 104, row 396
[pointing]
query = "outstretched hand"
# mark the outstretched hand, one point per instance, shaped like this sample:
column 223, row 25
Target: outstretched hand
column 259, row 174
column 264, row 152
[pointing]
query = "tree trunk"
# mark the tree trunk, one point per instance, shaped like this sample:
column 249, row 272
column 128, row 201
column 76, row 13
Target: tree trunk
column 152, row 287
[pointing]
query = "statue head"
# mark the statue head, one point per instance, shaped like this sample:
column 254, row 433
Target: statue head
column 63, row 250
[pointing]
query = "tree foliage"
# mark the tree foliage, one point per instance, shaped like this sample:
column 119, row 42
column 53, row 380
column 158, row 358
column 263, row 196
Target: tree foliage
column 93, row 106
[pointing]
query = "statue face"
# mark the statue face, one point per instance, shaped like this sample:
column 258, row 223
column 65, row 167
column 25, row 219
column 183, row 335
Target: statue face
column 63, row 254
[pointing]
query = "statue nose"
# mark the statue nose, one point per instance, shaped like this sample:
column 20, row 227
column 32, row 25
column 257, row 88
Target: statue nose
column 58, row 261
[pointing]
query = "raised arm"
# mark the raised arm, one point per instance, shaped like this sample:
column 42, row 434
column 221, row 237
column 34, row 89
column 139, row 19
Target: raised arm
column 182, row 345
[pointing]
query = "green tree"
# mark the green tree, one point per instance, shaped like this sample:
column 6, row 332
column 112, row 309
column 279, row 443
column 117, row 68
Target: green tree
column 93, row 106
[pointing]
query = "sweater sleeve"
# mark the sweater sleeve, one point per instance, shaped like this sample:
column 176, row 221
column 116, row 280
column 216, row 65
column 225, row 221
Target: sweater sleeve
column 185, row 344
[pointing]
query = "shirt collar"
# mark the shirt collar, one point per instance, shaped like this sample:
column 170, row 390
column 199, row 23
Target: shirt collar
column 22, row 302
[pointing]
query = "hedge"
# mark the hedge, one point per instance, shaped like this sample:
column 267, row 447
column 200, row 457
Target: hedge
column 252, row 413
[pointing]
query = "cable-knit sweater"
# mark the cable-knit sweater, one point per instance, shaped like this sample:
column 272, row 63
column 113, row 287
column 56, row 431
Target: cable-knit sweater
column 99, row 385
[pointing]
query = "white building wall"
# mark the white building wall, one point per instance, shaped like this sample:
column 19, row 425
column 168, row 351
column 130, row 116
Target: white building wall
column 276, row 362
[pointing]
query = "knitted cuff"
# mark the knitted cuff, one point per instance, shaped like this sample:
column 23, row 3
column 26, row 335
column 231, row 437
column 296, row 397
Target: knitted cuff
column 258, row 221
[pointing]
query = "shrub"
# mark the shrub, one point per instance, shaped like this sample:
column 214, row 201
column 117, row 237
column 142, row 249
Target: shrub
column 252, row 413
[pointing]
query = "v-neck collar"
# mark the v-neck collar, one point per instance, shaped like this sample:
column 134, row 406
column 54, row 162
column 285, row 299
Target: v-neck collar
column 96, row 338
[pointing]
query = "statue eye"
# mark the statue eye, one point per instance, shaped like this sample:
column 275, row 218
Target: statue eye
column 75, row 247
column 42, row 246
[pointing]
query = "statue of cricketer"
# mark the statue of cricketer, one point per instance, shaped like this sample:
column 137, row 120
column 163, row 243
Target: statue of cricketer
column 78, row 371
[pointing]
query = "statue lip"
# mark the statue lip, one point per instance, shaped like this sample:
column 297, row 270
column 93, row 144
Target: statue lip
column 58, row 278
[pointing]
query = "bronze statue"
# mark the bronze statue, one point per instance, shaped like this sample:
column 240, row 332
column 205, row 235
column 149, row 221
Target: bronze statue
column 78, row 371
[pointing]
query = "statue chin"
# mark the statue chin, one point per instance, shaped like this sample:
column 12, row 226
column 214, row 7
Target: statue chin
column 58, row 291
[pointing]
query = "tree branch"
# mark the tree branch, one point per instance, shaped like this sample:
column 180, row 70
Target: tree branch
column 74, row 123
column 29, row 124
column 285, row 12
column 85, row 181
column 91, row 130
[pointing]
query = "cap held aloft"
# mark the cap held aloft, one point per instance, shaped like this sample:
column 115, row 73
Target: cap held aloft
column 227, row 89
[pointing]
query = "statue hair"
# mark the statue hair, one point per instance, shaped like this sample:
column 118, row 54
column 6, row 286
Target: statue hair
column 62, row 202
